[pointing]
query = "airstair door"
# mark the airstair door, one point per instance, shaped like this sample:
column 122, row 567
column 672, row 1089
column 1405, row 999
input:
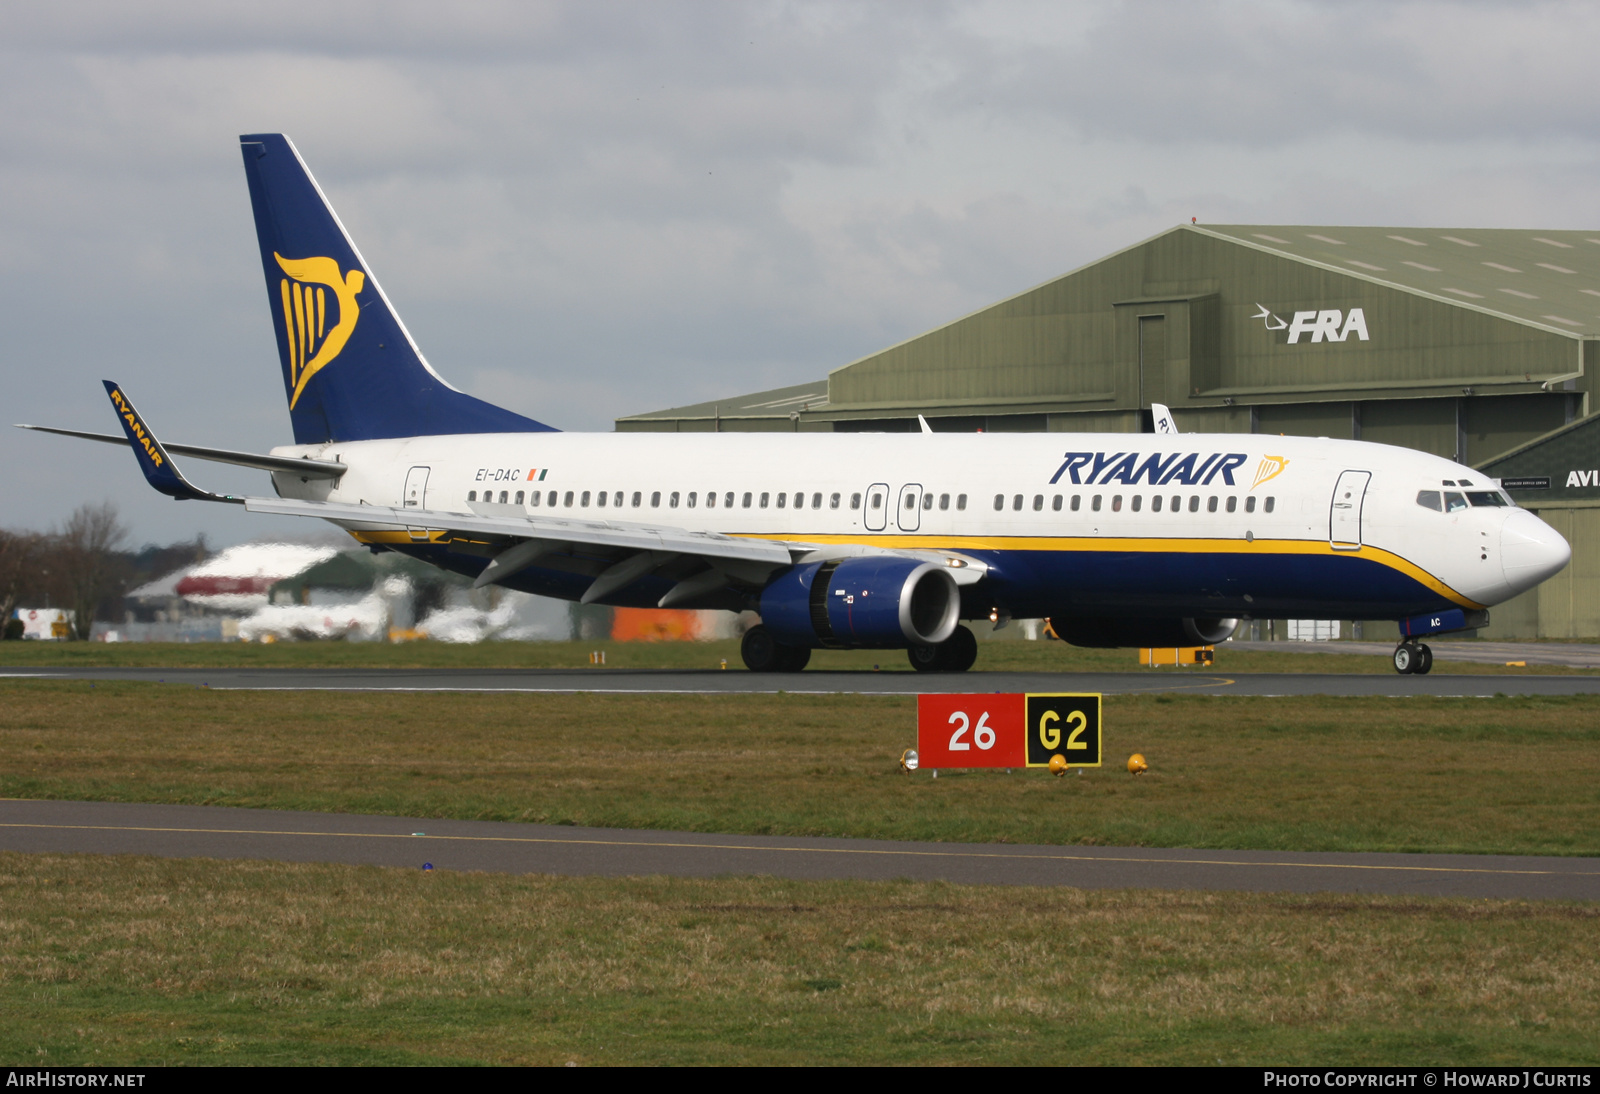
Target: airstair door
column 875, row 507
column 416, row 496
column 908, row 514
column 1344, row 517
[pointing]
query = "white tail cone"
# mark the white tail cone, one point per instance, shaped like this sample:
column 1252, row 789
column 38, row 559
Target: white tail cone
column 1530, row 550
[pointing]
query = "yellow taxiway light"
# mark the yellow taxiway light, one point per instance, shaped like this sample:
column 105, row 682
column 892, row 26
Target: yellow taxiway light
column 1136, row 764
column 1058, row 765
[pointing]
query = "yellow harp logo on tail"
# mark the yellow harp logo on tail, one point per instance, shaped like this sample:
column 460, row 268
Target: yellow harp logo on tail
column 313, row 342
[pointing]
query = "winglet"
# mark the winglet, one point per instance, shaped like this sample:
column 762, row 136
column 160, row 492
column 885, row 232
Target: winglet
column 1162, row 419
column 157, row 466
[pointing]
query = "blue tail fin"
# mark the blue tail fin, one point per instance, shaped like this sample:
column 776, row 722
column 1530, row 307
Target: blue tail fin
column 350, row 368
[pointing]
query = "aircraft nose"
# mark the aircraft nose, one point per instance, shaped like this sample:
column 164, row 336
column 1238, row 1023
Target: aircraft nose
column 1530, row 550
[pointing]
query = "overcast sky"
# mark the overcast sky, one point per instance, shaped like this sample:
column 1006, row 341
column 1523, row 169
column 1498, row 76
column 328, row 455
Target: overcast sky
column 588, row 210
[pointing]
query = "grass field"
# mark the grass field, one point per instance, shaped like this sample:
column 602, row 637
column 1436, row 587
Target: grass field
column 993, row 654
column 1510, row 775
column 134, row 962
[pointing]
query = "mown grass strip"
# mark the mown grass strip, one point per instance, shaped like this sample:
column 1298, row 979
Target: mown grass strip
column 1506, row 775
column 141, row 961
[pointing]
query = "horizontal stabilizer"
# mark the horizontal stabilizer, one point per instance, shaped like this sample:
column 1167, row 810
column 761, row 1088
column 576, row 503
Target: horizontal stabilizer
column 304, row 466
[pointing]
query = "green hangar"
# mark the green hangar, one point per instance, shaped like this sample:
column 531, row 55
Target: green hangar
column 1474, row 344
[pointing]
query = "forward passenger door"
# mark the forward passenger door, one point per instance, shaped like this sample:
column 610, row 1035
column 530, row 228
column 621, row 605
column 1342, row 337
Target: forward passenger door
column 1344, row 516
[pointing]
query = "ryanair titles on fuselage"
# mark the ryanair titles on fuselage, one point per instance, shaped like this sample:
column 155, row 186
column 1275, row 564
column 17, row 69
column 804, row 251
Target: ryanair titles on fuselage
column 1159, row 469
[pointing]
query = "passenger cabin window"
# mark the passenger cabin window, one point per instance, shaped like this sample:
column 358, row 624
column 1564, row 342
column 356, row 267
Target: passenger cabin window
column 1095, row 503
column 672, row 500
column 855, row 501
column 637, row 497
column 1211, row 504
column 1038, row 502
column 999, row 502
column 569, row 499
column 711, row 499
column 519, row 497
column 783, row 499
column 1016, row 502
column 616, row 500
column 1194, row 504
column 745, row 501
column 1177, row 504
column 533, row 499
column 600, row 499
column 816, row 501
column 655, row 499
column 1155, row 503
column 1055, row 503
column 944, row 502
column 1233, row 503
column 727, row 500
column 961, row 501
column 1267, row 508
column 1116, row 503
column 833, row 501
column 1076, row 501
column 472, row 495
column 692, row 496
column 927, row 501
column 1431, row 499
column 1250, row 504
column 766, row 497
column 799, row 501
column 583, row 502
column 1138, row 500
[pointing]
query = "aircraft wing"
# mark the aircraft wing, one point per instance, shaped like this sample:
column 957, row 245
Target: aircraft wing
column 596, row 533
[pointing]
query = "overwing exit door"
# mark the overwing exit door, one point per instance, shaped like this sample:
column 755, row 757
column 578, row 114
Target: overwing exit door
column 875, row 507
column 1344, row 516
column 908, row 514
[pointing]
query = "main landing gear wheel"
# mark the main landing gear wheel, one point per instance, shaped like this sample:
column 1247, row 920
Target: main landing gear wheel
column 955, row 654
column 1413, row 658
column 763, row 653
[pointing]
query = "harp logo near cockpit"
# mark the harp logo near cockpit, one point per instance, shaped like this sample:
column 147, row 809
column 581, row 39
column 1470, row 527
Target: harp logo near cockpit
column 319, row 314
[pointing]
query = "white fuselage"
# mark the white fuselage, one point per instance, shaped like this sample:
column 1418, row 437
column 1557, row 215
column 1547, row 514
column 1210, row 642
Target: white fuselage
column 1063, row 519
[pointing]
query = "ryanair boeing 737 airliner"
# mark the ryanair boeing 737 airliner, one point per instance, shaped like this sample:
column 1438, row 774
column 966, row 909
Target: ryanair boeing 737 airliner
column 845, row 540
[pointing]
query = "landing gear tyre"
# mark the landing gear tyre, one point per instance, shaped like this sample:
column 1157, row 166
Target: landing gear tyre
column 955, row 654
column 960, row 650
column 1424, row 661
column 763, row 653
column 1406, row 658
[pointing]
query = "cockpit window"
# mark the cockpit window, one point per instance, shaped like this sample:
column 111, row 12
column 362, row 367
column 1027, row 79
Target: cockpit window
column 1453, row 502
column 1485, row 497
column 1430, row 499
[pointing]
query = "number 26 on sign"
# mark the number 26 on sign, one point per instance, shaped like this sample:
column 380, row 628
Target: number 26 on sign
column 1007, row 730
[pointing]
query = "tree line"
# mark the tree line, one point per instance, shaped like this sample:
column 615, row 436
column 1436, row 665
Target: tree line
column 82, row 565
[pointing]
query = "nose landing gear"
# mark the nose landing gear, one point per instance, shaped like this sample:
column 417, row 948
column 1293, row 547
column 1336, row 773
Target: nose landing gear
column 1413, row 658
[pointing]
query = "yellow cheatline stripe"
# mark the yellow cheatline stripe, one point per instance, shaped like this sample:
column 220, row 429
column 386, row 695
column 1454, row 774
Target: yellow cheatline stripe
column 864, row 851
column 1153, row 545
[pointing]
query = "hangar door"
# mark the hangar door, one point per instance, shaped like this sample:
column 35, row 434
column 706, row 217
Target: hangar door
column 1344, row 517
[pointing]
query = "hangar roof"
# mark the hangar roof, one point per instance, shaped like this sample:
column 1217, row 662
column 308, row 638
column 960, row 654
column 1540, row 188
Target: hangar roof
column 1550, row 278
column 776, row 403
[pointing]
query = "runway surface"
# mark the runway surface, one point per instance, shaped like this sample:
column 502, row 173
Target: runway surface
column 196, row 831
column 700, row 682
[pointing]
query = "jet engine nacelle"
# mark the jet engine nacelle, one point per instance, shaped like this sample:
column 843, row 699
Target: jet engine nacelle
column 879, row 601
column 1113, row 631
